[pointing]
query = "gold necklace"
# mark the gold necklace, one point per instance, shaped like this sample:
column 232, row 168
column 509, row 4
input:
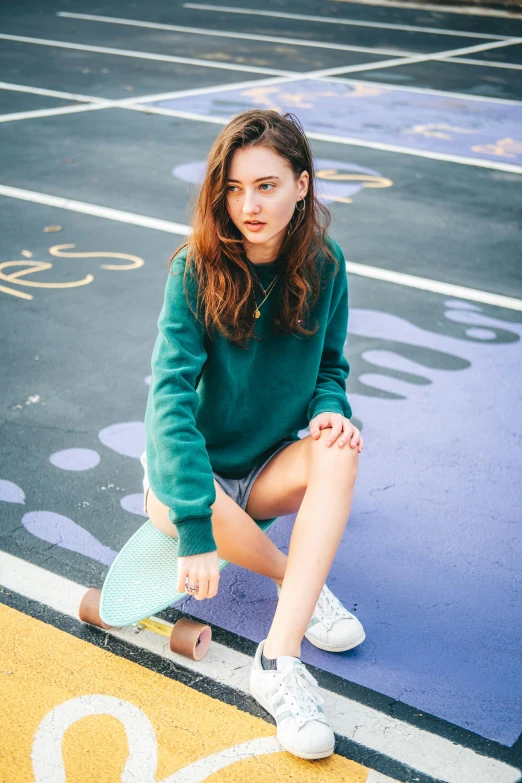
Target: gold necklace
column 266, row 292
column 269, row 290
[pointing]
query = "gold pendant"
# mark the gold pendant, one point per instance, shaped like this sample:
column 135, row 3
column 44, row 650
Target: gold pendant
column 257, row 314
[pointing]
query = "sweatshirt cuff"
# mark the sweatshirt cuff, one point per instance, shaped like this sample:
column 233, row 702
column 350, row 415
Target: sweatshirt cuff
column 195, row 536
column 331, row 404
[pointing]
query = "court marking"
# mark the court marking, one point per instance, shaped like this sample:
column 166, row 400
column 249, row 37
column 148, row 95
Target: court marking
column 350, row 22
column 483, row 63
column 136, row 103
column 227, row 34
column 421, row 90
column 51, row 93
column 422, row 750
column 363, row 270
column 394, row 63
column 206, row 734
column 169, row 58
column 462, row 10
column 37, row 113
column 513, row 168
column 280, row 75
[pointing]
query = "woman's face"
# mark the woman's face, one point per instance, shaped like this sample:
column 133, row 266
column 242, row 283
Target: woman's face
column 261, row 187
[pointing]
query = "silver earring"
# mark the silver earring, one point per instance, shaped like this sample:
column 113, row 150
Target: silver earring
column 304, row 206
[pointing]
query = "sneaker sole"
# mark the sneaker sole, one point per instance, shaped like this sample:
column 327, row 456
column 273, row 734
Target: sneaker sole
column 302, row 754
column 328, row 648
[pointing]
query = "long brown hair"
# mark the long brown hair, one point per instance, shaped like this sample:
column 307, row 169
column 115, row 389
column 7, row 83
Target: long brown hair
column 216, row 256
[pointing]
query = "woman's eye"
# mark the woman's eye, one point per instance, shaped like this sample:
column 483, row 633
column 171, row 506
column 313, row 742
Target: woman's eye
column 269, row 184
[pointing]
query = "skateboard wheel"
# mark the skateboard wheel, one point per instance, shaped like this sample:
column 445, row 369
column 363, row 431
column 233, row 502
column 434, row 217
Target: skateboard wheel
column 89, row 611
column 190, row 639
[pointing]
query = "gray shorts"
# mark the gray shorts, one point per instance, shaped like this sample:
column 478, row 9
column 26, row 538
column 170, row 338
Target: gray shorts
column 237, row 489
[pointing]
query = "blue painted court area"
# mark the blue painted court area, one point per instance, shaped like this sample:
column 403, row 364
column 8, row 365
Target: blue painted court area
column 433, row 545
column 487, row 130
column 415, row 120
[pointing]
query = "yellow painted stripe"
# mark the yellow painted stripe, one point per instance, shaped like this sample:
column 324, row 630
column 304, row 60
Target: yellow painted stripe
column 87, row 713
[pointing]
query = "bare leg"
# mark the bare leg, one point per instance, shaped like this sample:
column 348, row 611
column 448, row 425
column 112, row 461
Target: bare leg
column 317, row 532
column 239, row 539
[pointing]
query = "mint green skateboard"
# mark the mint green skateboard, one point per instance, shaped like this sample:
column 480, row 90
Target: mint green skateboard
column 142, row 581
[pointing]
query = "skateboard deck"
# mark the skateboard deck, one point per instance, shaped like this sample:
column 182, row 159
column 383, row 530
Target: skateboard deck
column 143, row 578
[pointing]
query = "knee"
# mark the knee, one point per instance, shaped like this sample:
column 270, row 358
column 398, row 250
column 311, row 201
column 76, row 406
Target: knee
column 343, row 463
column 158, row 514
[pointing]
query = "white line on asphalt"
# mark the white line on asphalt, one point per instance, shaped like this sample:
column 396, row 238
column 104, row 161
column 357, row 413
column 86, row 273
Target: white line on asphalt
column 483, row 63
column 95, row 210
column 421, row 90
column 463, row 10
column 428, row 753
column 484, row 163
column 396, row 63
column 363, row 270
column 227, row 34
column 340, row 21
column 169, row 58
column 31, row 115
column 73, row 96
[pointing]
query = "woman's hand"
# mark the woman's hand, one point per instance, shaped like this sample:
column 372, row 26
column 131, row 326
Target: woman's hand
column 202, row 569
column 340, row 426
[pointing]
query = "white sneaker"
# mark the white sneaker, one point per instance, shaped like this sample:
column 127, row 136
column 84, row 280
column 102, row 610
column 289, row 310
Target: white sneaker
column 332, row 627
column 288, row 694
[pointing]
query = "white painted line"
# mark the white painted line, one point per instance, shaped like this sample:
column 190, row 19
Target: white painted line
column 422, row 90
column 442, row 156
column 31, row 115
column 51, row 93
column 242, row 36
column 184, row 115
column 340, row 21
column 169, row 58
column 464, row 10
column 163, row 96
column 363, row 270
column 409, row 60
column 434, row 286
column 483, row 63
column 96, row 210
column 423, row 751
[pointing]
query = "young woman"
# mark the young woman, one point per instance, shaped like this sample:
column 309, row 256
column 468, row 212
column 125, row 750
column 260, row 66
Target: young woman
column 249, row 352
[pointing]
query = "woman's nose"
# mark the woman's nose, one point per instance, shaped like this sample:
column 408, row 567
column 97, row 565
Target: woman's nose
column 250, row 204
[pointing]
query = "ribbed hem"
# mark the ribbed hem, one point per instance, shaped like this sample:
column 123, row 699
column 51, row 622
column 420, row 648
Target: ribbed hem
column 331, row 404
column 195, row 536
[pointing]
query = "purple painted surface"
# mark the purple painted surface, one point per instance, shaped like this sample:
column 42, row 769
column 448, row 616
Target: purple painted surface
column 432, row 550
column 126, row 437
column 459, row 126
column 134, row 504
column 62, row 531
column 11, row 492
column 75, row 459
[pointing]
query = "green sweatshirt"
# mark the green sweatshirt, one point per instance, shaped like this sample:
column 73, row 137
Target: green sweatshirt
column 213, row 405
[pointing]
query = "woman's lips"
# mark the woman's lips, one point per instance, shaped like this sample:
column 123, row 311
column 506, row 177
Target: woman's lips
column 254, row 226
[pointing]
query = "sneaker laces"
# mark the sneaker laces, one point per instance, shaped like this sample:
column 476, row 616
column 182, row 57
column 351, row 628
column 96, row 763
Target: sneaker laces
column 296, row 687
column 330, row 607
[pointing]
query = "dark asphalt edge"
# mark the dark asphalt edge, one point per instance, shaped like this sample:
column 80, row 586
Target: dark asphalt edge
column 224, row 693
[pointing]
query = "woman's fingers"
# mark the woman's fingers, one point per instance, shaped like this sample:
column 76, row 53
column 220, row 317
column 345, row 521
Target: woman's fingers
column 213, row 583
column 336, row 429
column 201, row 572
